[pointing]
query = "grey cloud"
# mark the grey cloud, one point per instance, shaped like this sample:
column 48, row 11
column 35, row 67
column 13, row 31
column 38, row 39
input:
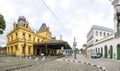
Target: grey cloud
column 37, row 9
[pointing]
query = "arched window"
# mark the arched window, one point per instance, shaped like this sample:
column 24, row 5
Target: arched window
column 29, row 37
column 16, row 35
column 23, row 36
column 105, row 51
column 100, row 33
column 111, row 51
column 11, row 49
column 34, row 39
column 96, row 50
column 11, row 37
column 29, row 50
column 38, row 40
column 96, row 40
column 101, row 50
column 107, row 34
column 26, row 25
column 16, row 47
column 8, row 50
column 104, row 34
column 96, row 33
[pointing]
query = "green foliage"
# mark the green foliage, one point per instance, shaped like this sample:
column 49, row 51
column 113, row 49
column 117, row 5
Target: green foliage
column 2, row 24
column 82, row 50
column 1, row 31
column 0, row 46
column 77, row 49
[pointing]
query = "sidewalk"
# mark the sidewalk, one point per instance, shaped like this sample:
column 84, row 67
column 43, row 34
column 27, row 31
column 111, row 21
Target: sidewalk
column 108, row 64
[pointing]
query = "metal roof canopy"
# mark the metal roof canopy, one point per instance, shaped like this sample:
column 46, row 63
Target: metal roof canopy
column 55, row 44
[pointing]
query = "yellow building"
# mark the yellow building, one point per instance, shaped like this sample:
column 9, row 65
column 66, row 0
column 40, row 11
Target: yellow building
column 21, row 39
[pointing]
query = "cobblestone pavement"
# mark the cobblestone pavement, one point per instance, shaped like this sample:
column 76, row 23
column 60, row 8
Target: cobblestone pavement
column 59, row 66
column 108, row 64
column 20, row 64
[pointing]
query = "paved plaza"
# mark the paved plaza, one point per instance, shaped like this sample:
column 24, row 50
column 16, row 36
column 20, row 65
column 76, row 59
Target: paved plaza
column 20, row 64
column 8, row 63
column 106, row 63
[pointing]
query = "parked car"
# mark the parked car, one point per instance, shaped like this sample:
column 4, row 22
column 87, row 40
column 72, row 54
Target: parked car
column 96, row 55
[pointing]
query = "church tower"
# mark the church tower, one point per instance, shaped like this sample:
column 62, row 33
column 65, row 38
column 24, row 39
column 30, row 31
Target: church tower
column 116, row 5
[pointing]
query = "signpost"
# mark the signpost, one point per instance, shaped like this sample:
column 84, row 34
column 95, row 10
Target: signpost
column 74, row 47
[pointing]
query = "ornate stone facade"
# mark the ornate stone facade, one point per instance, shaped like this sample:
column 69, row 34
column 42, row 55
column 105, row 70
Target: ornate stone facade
column 22, row 35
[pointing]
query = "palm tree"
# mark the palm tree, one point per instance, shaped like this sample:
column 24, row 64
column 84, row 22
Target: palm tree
column 2, row 24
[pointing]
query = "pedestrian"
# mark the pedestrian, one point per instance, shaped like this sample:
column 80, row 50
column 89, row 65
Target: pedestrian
column 86, row 53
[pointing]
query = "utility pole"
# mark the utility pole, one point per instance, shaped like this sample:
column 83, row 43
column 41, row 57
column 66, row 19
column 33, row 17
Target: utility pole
column 74, row 47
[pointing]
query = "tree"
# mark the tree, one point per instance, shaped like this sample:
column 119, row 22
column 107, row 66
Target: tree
column 82, row 50
column 0, row 46
column 77, row 50
column 2, row 24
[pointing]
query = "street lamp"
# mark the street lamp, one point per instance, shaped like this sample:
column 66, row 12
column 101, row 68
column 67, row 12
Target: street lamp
column 74, row 47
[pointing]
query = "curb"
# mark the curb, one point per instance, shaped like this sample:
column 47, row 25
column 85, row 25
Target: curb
column 98, row 67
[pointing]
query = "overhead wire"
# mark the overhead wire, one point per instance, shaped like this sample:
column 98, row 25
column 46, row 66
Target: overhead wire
column 53, row 13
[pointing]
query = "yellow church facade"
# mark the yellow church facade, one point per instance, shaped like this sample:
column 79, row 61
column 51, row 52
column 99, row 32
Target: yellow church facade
column 21, row 39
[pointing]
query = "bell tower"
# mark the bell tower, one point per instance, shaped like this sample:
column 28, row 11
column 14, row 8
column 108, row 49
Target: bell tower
column 116, row 6
column 23, row 22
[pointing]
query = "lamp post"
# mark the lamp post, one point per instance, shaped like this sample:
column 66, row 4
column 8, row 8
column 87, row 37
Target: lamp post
column 74, row 47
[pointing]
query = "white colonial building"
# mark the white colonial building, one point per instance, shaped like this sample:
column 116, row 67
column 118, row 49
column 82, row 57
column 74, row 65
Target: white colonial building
column 104, row 40
column 96, row 33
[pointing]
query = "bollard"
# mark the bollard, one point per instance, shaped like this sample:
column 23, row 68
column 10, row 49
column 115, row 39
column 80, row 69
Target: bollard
column 20, row 56
column 36, row 58
column 30, row 57
column 26, row 57
column 43, row 58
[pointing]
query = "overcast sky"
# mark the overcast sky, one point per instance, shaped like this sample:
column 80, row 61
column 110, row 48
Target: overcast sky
column 76, row 16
